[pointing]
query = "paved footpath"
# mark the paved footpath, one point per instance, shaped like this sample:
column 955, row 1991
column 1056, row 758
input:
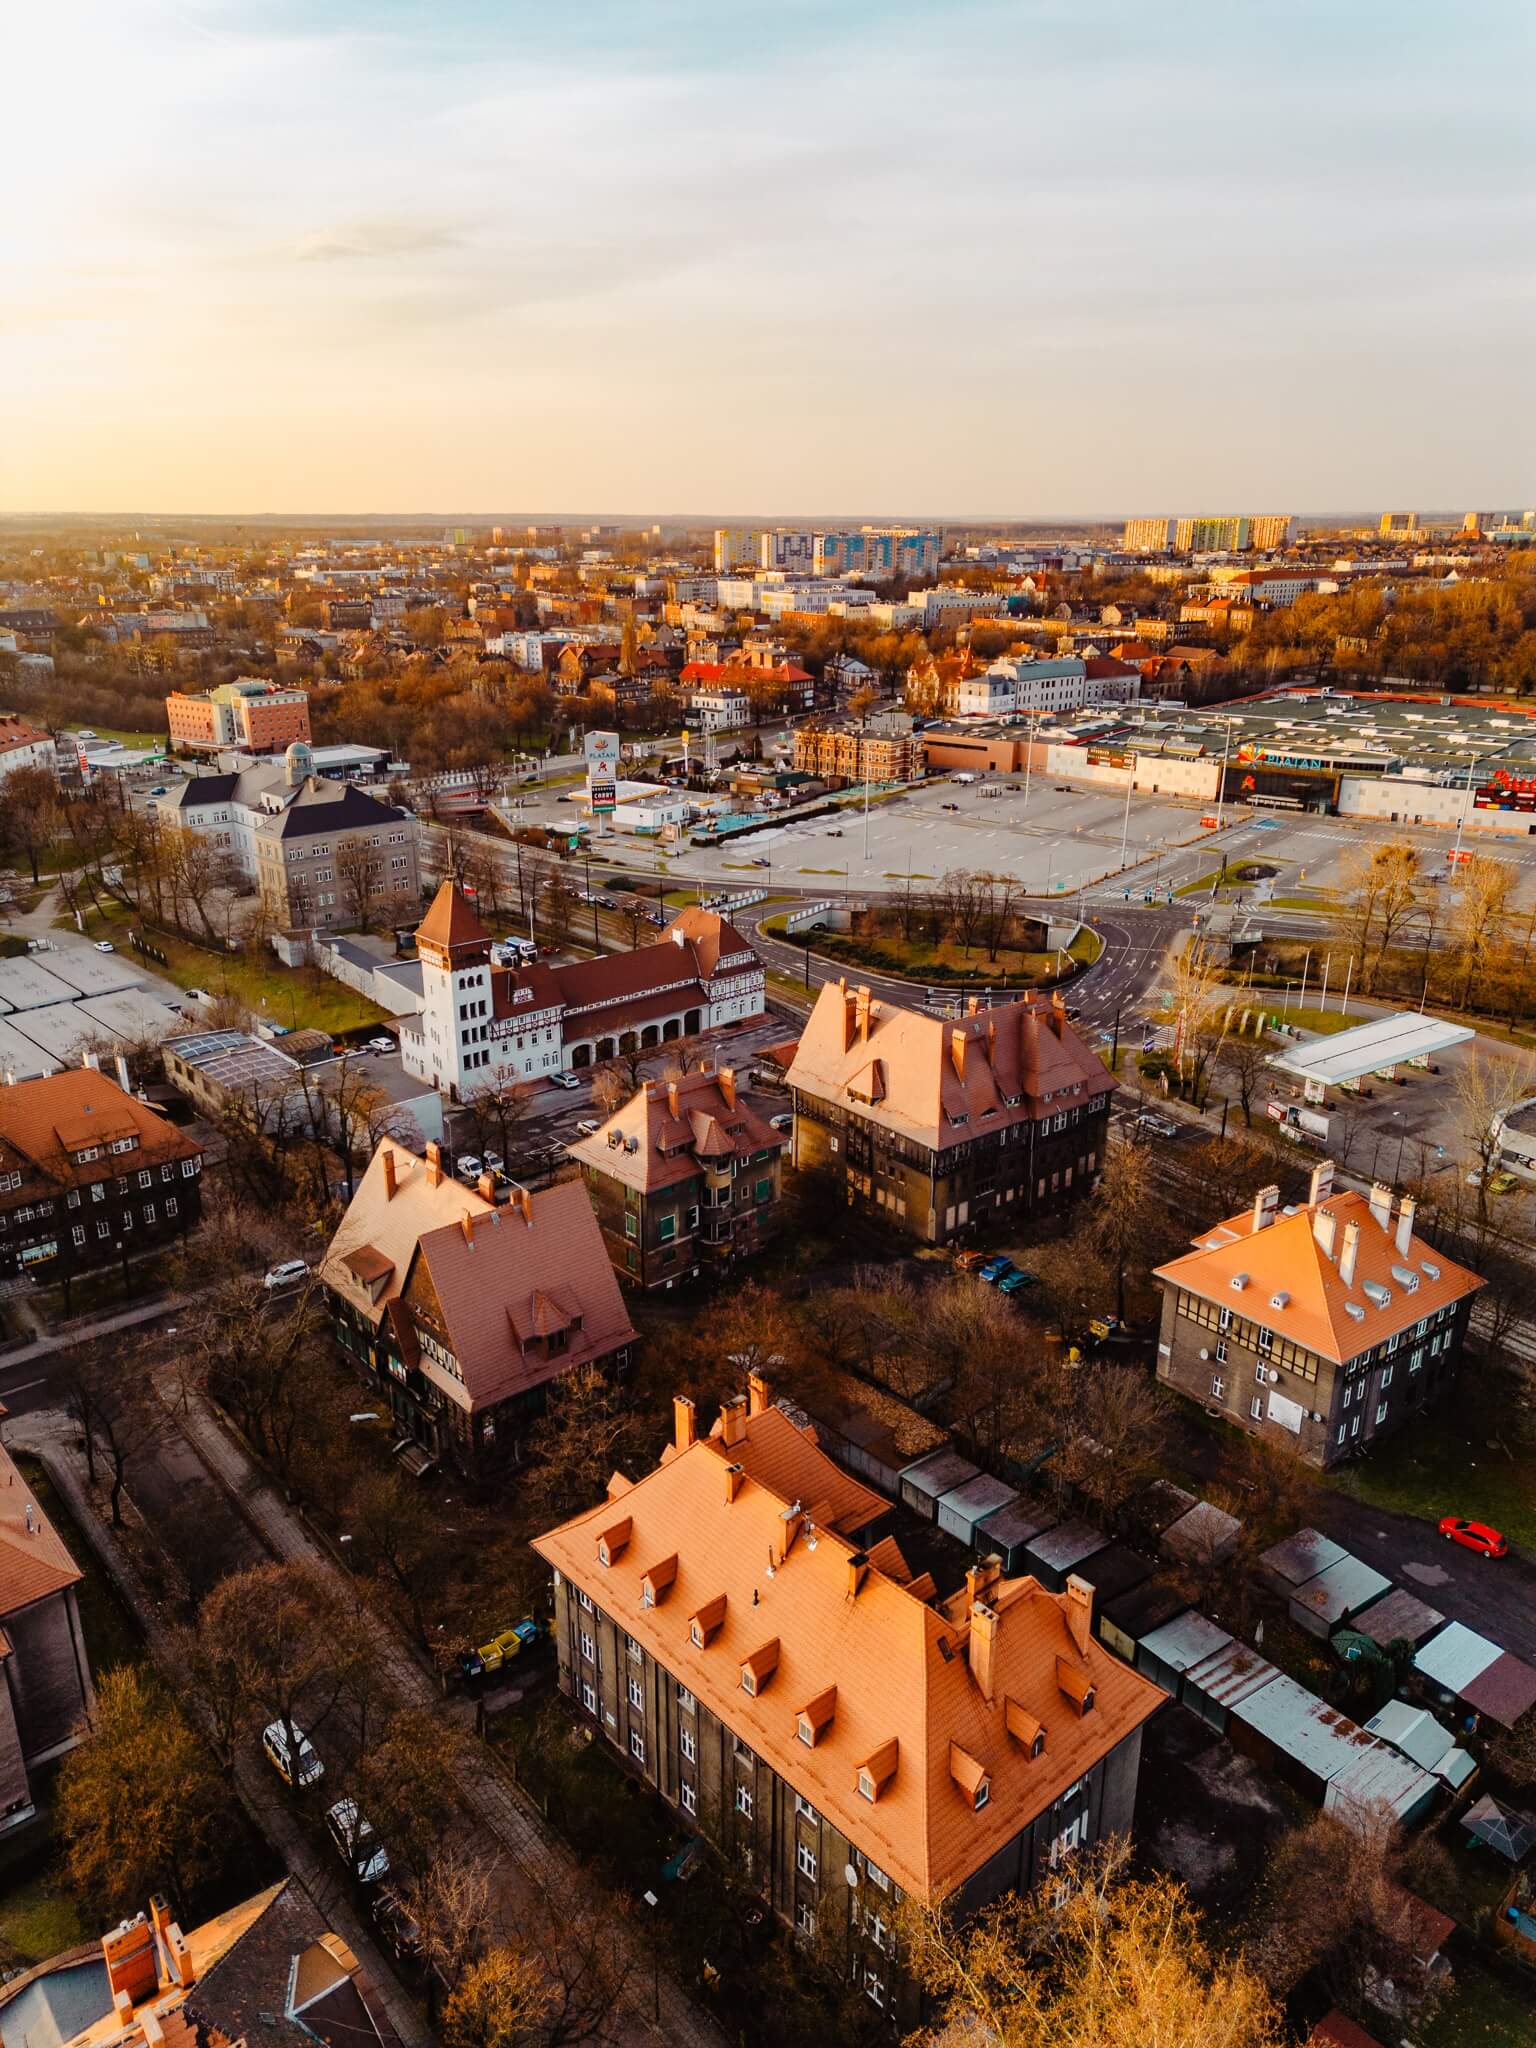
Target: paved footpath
column 536, row 1853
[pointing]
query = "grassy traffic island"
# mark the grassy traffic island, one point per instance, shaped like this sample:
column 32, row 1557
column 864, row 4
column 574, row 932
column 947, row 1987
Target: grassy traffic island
column 1017, row 959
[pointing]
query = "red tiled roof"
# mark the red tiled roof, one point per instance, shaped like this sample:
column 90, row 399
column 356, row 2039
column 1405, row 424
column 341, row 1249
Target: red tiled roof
column 669, row 1142
column 33, row 1562
column 498, row 1279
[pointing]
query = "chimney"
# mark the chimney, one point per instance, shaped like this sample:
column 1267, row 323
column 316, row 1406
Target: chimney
column 176, row 1955
column 389, row 1174
column 31, row 1515
column 981, row 1648
column 1405, row 1216
column 123, row 1080
column 1349, row 1254
column 733, row 1420
column 862, row 1008
column 991, row 1041
column 678, row 939
column 734, row 1475
column 726, row 1082
column 850, row 1007
column 1381, row 1205
column 757, row 1393
column 973, row 1006
column 467, row 1225
column 525, row 1203
column 1079, row 1611
column 486, row 1186
column 957, row 1050
column 858, row 1569
column 682, row 1421
column 1322, row 1182
column 672, row 1098
column 129, row 1953
column 1325, row 1227
column 981, row 1577
column 1058, row 1012
column 1266, row 1205
column 93, row 1061
column 434, row 1164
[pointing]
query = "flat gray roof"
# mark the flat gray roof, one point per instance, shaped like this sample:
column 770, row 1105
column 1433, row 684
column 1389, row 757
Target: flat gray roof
column 1384, row 1042
column 27, row 985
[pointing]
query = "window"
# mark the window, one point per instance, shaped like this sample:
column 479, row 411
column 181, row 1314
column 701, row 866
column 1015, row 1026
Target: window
column 1221, row 1350
column 688, row 1797
column 1256, row 1407
column 744, row 1800
column 103, row 1229
column 189, row 1168
column 584, row 1599
column 1343, row 1432
column 688, row 1743
column 637, row 1694
column 636, row 1650
column 637, row 1745
column 1218, row 1388
column 588, row 1697
column 874, row 1987
column 631, row 1226
column 805, row 1919
column 666, row 1228
column 171, row 1208
column 98, row 1192
column 983, row 1793
column 588, row 1648
column 1381, row 1411
column 1386, row 1376
column 78, row 1233
column 803, row 1805
column 1072, row 1835
column 762, row 1190
column 686, row 1700
column 146, row 1178
column 875, row 1928
column 149, row 1212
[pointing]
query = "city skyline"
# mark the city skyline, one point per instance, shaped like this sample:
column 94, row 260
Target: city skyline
column 988, row 263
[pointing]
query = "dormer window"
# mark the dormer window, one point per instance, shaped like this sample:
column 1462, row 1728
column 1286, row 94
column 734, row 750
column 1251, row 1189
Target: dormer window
column 611, row 1543
column 757, row 1669
column 704, row 1625
column 877, row 1770
column 815, row 1717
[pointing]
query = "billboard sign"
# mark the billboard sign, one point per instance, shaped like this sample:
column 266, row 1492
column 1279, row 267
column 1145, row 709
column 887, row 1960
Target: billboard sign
column 602, row 753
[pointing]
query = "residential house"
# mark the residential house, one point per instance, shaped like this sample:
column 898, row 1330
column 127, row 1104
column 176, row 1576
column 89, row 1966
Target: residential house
column 268, row 1973
column 461, row 1311
column 846, row 1737
column 89, row 1174
column 686, row 1179
column 1320, row 1328
column 47, row 1700
column 941, row 1126
column 23, row 745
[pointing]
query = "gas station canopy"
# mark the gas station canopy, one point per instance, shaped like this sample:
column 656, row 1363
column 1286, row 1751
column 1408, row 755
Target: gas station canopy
column 1370, row 1048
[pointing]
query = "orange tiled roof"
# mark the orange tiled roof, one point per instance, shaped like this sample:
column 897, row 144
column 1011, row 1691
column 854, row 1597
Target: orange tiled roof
column 451, row 921
column 375, row 1239
column 945, row 1081
column 910, row 1680
column 673, row 1125
column 43, row 1123
column 1289, row 1273
column 33, row 1562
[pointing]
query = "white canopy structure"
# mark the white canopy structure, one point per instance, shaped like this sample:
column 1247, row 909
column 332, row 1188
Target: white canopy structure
column 1384, row 1042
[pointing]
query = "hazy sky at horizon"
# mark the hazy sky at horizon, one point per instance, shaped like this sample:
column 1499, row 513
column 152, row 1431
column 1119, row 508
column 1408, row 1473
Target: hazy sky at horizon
column 1004, row 257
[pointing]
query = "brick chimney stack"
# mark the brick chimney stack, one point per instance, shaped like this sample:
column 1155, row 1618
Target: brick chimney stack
column 726, row 1081
column 957, row 1040
column 1405, row 1216
column 981, row 1648
column 757, row 1393
column 1079, row 1612
column 863, row 1009
column 733, row 1420
column 1350, row 1253
column 129, row 1953
column 434, row 1164
column 389, row 1173
column 682, row 1421
column 673, row 1099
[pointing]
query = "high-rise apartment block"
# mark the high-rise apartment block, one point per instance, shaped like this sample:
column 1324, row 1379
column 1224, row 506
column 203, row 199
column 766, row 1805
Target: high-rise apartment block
column 879, row 552
column 1223, row 533
column 739, row 547
column 1399, row 525
column 1147, row 536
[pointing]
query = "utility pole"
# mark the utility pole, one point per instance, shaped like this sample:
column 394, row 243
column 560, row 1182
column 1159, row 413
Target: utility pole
column 1125, row 830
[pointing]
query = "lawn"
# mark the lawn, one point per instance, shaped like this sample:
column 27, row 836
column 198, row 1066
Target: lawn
column 111, row 1635
column 38, row 1920
column 946, row 962
column 295, row 996
column 1087, row 946
column 1483, row 2011
column 1458, row 1460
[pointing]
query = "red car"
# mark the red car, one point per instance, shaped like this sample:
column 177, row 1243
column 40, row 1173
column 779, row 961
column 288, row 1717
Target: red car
column 1474, row 1536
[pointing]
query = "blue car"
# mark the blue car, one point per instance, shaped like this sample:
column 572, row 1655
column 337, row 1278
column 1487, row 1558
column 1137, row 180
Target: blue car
column 996, row 1269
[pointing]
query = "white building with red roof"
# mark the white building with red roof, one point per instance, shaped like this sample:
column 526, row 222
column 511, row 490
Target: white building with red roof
column 482, row 1026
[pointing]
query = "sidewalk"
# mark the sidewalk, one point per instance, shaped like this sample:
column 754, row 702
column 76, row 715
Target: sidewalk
column 534, row 1850
column 51, row 1436
column 81, row 1331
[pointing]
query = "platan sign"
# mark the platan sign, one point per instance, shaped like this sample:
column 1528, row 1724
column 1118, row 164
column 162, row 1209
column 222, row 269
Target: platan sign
column 602, row 752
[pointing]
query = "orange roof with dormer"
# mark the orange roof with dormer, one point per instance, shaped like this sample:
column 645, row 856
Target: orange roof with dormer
column 1335, row 1275
column 939, row 1731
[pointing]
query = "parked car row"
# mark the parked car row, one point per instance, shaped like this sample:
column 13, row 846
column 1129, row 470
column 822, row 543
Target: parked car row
column 999, row 1271
column 297, row 1762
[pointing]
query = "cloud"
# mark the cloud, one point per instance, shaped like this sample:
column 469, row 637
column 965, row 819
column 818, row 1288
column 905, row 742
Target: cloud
column 372, row 240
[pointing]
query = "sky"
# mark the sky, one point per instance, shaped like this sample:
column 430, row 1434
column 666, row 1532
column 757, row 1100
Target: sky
column 942, row 258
